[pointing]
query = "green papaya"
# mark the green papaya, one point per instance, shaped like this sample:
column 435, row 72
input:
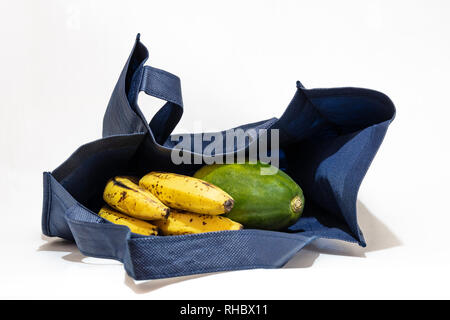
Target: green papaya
column 272, row 202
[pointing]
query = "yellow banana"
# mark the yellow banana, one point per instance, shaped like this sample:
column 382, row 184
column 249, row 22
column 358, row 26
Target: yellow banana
column 123, row 193
column 187, row 193
column 135, row 225
column 180, row 222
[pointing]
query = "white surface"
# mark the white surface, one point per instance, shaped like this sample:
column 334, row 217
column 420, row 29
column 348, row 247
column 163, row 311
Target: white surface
column 238, row 61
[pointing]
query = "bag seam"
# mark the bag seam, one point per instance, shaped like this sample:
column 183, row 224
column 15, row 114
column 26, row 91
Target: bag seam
column 210, row 234
column 49, row 203
column 205, row 236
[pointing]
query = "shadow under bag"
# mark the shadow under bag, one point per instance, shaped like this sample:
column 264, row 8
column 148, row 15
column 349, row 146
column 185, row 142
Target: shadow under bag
column 328, row 138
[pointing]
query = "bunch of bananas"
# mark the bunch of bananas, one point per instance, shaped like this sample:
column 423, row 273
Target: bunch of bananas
column 167, row 204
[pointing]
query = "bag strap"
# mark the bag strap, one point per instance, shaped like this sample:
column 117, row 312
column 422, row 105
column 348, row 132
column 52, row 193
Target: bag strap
column 171, row 256
column 163, row 85
column 123, row 115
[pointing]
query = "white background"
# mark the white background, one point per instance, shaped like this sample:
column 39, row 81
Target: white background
column 238, row 61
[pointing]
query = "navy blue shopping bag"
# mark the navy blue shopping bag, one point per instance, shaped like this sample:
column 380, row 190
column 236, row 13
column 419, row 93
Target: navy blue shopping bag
column 328, row 138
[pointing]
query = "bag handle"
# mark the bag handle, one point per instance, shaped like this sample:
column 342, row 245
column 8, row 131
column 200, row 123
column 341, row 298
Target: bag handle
column 123, row 115
column 154, row 257
column 163, row 85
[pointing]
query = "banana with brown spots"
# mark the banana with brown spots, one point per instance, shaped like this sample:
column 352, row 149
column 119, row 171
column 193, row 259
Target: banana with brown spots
column 136, row 225
column 187, row 193
column 124, row 194
column 180, row 222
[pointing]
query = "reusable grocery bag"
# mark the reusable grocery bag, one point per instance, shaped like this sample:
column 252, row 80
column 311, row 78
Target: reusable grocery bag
column 328, row 138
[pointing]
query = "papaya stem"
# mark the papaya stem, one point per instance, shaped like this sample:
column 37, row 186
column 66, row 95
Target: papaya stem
column 296, row 204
